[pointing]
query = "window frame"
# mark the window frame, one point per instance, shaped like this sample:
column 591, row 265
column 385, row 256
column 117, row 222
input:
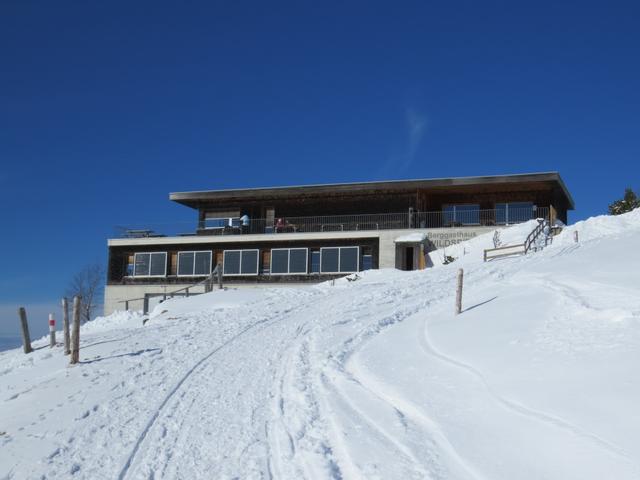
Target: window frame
column 135, row 256
column 339, row 258
column 193, row 269
column 240, row 274
column 288, row 272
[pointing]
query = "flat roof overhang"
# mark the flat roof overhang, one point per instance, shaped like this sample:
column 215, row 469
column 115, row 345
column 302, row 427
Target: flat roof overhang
column 196, row 198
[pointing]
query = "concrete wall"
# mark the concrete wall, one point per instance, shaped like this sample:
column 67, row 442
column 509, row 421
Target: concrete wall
column 444, row 237
column 436, row 238
column 113, row 294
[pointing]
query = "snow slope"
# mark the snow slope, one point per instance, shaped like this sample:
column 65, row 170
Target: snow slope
column 374, row 378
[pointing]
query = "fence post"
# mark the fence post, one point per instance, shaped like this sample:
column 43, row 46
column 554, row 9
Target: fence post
column 219, row 268
column 26, row 339
column 575, row 236
column 52, row 331
column 126, row 305
column 186, row 292
column 459, row 292
column 65, row 326
column 75, row 337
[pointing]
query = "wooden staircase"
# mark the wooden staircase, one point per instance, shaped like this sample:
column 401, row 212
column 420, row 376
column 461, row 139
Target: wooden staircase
column 530, row 244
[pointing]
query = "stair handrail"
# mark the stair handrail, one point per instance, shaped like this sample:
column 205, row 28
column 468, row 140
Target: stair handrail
column 535, row 233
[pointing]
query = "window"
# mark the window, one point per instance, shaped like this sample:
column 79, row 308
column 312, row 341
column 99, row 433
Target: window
column 298, row 259
column 194, row 263
column 240, row 262
column 366, row 263
column 462, row 214
column 289, row 261
column 329, row 260
column 339, row 259
column 315, row 261
column 152, row 264
column 514, row 212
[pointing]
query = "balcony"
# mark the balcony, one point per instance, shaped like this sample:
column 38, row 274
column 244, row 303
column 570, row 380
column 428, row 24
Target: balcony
column 449, row 218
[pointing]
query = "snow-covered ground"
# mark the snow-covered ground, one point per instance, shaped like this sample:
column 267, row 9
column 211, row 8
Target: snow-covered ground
column 374, row 378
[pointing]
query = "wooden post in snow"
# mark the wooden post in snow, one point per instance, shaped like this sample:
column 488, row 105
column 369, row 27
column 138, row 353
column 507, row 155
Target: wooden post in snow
column 65, row 326
column 75, row 334
column 575, row 236
column 26, row 339
column 459, row 292
column 219, row 268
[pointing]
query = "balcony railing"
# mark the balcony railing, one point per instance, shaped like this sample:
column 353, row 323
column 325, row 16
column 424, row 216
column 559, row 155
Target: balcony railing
column 344, row 223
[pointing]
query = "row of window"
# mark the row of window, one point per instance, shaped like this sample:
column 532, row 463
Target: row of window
column 282, row 261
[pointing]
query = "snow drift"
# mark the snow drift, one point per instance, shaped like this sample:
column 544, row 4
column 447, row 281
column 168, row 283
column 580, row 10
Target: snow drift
column 374, row 378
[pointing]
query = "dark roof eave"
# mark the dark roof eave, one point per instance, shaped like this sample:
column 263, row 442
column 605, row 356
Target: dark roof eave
column 192, row 199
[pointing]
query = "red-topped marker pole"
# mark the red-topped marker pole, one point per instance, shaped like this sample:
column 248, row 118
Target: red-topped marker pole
column 52, row 331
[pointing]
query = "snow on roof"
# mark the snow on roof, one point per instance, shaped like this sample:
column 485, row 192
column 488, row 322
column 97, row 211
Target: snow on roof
column 415, row 237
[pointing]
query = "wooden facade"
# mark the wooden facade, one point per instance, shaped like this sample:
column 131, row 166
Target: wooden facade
column 543, row 189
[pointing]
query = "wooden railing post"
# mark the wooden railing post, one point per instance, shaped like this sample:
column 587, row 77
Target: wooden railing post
column 65, row 326
column 75, row 336
column 459, row 291
column 26, row 339
column 219, row 268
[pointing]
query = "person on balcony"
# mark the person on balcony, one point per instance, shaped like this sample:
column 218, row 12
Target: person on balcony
column 244, row 220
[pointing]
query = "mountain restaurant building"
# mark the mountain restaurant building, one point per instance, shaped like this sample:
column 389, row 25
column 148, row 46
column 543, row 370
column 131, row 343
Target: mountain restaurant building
column 312, row 233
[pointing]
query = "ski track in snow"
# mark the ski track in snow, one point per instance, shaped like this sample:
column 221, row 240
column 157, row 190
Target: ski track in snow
column 176, row 408
column 299, row 384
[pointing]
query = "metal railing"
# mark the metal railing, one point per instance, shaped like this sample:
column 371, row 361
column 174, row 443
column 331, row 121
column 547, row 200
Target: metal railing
column 207, row 284
column 342, row 223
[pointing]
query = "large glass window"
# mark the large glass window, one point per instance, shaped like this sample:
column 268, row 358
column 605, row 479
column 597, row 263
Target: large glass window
column 514, row 212
column 150, row 264
column 298, row 260
column 339, row 259
column 279, row 261
column 249, row 263
column 329, row 260
column 462, row 214
column 231, row 262
column 194, row 263
column 349, row 259
column 289, row 261
column 240, row 262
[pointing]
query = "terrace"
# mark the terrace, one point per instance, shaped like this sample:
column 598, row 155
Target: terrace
column 449, row 217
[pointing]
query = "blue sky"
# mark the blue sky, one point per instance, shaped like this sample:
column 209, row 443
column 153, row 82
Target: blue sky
column 106, row 107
